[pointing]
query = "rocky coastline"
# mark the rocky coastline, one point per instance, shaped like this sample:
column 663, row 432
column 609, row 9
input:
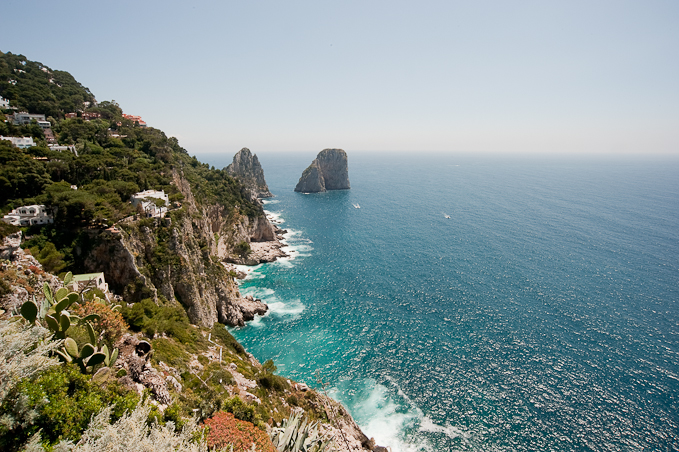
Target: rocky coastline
column 123, row 252
column 262, row 252
column 348, row 435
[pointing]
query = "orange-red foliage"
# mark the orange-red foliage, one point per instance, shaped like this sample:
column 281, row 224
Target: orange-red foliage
column 110, row 321
column 226, row 429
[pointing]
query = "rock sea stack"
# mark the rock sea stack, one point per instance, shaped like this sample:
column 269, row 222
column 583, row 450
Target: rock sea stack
column 328, row 171
column 246, row 168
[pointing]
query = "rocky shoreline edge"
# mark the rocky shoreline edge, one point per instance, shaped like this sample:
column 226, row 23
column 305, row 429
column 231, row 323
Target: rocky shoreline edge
column 263, row 251
column 348, row 435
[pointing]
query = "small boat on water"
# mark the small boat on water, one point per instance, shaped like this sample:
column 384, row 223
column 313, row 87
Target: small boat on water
column 447, row 216
column 356, row 206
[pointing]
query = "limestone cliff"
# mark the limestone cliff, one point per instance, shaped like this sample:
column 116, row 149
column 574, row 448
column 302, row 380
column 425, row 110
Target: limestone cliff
column 21, row 275
column 312, row 180
column 180, row 258
column 246, row 168
column 328, row 171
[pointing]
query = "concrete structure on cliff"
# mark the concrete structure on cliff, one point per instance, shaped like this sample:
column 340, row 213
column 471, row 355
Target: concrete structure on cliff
column 148, row 206
column 93, row 280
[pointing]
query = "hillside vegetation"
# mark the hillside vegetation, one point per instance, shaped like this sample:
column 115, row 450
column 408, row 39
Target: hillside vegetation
column 81, row 368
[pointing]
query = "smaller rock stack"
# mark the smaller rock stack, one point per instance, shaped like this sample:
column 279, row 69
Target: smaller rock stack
column 246, row 168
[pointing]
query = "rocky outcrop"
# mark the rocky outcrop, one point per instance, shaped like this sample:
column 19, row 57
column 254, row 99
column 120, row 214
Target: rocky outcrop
column 21, row 274
column 348, row 435
column 312, row 180
column 114, row 253
column 179, row 258
column 134, row 358
column 248, row 171
column 335, row 169
column 328, row 171
column 10, row 245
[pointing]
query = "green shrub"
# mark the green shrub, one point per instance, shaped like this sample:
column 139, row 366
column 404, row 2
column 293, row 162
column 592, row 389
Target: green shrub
column 275, row 382
column 220, row 334
column 133, row 433
column 167, row 351
column 220, row 375
column 152, row 319
column 60, row 402
column 5, row 288
column 7, row 229
column 242, row 249
column 50, row 259
column 268, row 366
column 240, row 409
column 173, row 414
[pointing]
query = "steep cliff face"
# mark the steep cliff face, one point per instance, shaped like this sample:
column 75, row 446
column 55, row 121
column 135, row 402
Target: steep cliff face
column 246, row 168
column 312, row 180
column 180, row 258
column 335, row 169
column 329, row 171
column 113, row 252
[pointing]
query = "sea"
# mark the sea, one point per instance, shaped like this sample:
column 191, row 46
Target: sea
column 458, row 302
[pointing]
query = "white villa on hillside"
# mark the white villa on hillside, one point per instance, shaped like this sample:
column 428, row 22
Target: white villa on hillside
column 145, row 198
column 29, row 215
column 4, row 103
column 20, row 142
column 56, row 147
column 94, row 279
column 26, row 118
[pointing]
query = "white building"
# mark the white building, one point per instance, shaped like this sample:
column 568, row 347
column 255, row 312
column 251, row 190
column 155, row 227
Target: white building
column 29, row 215
column 92, row 279
column 56, row 147
column 20, row 142
column 4, row 103
column 26, row 118
column 148, row 205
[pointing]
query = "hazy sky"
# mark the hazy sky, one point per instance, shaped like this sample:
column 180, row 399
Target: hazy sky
column 475, row 76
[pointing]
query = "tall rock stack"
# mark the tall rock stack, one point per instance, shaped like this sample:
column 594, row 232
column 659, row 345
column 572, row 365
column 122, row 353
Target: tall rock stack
column 328, row 171
column 246, row 168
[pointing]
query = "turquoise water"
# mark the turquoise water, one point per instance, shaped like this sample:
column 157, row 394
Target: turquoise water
column 542, row 315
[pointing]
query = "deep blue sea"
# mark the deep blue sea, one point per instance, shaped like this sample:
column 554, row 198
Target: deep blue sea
column 543, row 315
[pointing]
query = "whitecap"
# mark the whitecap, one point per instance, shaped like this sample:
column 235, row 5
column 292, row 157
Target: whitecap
column 257, row 321
column 289, row 308
column 259, row 292
column 285, row 261
column 452, row 432
column 251, row 272
column 274, row 217
column 383, row 416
